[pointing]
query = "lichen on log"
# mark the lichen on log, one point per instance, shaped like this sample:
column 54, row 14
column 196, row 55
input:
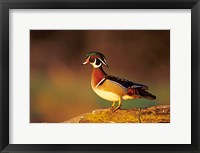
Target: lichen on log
column 153, row 114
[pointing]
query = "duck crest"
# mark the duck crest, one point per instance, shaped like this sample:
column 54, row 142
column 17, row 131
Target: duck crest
column 97, row 75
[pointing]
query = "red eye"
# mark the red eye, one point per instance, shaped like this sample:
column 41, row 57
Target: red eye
column 92, row 60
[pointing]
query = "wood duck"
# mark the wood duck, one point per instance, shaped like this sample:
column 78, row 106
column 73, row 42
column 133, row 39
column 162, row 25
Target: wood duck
column 110, row 87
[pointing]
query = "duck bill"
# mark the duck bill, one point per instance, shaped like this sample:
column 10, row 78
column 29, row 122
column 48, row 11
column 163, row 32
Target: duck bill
column 85, row 63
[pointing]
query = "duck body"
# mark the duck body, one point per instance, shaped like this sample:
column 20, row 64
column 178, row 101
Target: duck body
column 104, row 87
column 113, row 88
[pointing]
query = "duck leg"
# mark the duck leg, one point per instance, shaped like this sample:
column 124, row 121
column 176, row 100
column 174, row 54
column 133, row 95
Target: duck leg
column 113, row 104
column 119, row 104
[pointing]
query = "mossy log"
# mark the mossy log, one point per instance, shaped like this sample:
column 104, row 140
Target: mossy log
column 154, row 114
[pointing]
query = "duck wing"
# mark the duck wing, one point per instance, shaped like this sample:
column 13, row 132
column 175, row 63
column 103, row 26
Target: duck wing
column 126, row 83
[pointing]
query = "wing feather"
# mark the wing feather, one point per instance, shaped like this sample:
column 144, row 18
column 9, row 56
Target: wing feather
column 126, row 83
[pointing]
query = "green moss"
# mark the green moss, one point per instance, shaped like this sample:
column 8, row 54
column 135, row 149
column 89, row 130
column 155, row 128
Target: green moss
column 154, row 114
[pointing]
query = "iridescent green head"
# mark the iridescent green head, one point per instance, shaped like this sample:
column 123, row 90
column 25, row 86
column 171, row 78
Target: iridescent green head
column 96, row 59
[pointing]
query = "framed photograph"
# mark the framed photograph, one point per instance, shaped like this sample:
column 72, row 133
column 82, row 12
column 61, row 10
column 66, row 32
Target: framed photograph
column 99, row 76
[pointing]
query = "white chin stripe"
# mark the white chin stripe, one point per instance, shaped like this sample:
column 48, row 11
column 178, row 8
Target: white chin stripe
column 94, row 64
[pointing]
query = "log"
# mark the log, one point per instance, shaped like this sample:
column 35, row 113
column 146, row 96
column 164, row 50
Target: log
column 153, row 114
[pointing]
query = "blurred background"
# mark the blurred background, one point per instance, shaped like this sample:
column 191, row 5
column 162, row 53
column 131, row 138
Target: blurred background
column 60, row 87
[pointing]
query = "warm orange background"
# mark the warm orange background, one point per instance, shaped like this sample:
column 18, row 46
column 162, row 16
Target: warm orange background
column 60, row 86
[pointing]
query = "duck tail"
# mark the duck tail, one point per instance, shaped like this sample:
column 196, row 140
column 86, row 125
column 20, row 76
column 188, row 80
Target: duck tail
column 140, row 93
column 147, row 95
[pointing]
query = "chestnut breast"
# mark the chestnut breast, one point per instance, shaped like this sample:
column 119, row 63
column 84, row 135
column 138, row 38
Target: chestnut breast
column 97, row 75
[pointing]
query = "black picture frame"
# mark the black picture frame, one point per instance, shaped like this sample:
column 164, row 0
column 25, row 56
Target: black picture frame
column 5, row 5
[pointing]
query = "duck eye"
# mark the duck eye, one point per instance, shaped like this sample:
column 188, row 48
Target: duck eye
column 92, row 60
